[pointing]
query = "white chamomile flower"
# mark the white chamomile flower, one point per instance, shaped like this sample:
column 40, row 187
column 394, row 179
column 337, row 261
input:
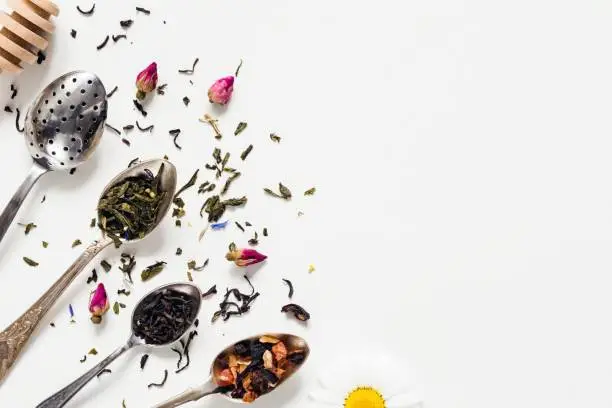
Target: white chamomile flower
column 365, row 381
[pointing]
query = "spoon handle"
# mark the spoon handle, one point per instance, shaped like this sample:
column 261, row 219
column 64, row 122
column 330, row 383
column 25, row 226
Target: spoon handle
column 191, row 394
column 14, row 337
column 60, row 398
column 6, row 218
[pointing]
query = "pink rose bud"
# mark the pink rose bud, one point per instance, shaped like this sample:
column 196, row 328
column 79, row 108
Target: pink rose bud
column 146, row 81
column 98, row 303
column 221, row 91
column 245, row 257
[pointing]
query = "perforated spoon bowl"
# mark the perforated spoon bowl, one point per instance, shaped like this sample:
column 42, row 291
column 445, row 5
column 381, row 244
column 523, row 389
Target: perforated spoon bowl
column 14, row 337
column 62, row 129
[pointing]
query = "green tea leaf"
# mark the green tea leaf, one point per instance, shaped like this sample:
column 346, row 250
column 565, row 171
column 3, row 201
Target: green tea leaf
column 275, row 138
column 285, row 192
column 192, row 265
column 152, row 270
column 93, row 351
column 190, row 183
column 240, row 128
column 272, row 193
column 76, row 242
column 246, row 152
column 116, row 308
column 229, row 182
column 310, row 191
column 235, row 202
column 30, row 261
column 45, row 244
column 28, row 227
column 217, row 155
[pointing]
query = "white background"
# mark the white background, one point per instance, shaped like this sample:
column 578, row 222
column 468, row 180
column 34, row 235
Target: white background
column 461, row 154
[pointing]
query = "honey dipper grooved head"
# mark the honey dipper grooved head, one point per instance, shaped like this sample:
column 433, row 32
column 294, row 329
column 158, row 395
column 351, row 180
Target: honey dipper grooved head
column 23, row 32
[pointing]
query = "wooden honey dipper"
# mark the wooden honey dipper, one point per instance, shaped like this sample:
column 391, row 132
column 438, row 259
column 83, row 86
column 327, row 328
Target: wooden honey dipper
column 23, row 32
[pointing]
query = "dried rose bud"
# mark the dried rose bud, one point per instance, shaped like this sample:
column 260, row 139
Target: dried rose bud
column 146, row 81
column 98, row 303
column 245, row 257
column 221, row 91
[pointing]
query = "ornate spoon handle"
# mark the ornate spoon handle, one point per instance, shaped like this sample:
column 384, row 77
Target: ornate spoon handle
column 191, row 394
column 14, row 337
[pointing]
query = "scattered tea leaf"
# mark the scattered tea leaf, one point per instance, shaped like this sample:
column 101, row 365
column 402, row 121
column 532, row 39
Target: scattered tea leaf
column 123, row 292
column 190, row 71
column 140, row 108
column 145, row 129
column 255, row 240
column 86, row 12
column 161, row 384
column 238, row 68
column 126, row 23
column 28, row 227
column 192, row 265
column 93, row 351
column 119, row 37
column 103, row 43
column 30, row 261
column 175, row 134
column 128, row 263
column 73, row 33
column 288, row 282
column 246, row 152
column 240, row 128
column 152, row 270
column 189, row 184
column 105, row 265
column 189, row 276
column 19, row 129
column 240, row 227
column 76, row 243
column 143, row 10
column 111, row 93
column 285, row 192
column 298, row 312
column 265, row 232
column 45, row 244
column 179, row 251
column 310, row 191
column 211, row 291
column 92, row 223
column 116, row 308
column 186, row 100
column 229, row 181
column 83, row 359
column 104, row 371
column 93, row 277
column 143, row 361
column 275, row 138
column 161, row 90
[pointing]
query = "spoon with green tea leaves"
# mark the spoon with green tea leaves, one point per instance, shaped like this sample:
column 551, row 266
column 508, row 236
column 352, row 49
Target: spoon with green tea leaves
column 161, row 318
column 63, row 126
column 249, row 369
column 138, row 198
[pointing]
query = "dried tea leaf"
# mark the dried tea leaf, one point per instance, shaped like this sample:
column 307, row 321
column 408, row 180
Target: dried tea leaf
column 76, row 242
column 288, row 282
column 246, row 152
column 310, row 191
column 275, row 138
column 30, row 261
column 240, row 128
column 143, row 361
column 189, row 184
column 92, row 223
column 45, row 244
column 240, row 227
column 152, row 270
column 189, row 276
column 116, row 308
column 211, row 291
column 93, row 351
column 192, row 265
column 285, row 192
column 28, row 227
column 179, row 251
column 298, row 312
column 105, row 265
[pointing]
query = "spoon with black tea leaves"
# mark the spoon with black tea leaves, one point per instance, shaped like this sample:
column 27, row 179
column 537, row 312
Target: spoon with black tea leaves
column 15, row 336
column 217, row 383
column 63, row 126
column 184, row 299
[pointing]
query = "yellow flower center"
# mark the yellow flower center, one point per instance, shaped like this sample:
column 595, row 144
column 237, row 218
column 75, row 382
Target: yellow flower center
column 364, row 397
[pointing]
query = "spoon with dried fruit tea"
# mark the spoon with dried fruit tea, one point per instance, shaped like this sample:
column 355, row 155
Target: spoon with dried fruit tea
column 62, row 129
column 160, row 319
column 139, row 197
column 249, row 369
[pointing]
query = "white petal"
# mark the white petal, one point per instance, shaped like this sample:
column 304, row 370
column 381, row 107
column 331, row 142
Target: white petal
column 406, row 400
column 327, row 397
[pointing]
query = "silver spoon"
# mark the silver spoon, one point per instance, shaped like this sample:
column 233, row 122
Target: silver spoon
column 62, row 129
column 211, row 387
column 60, row 398
column 14, row 337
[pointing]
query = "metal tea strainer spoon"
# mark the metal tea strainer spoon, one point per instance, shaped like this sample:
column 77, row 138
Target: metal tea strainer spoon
column 211, row 387
column 14, row 337
column 62, row 128
column 60, row 398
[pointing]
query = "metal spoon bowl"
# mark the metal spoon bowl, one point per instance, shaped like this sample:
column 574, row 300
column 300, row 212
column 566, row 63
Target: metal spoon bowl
column 211, row 387
column 60, row 398
column 63, row 126
column 15, row 336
